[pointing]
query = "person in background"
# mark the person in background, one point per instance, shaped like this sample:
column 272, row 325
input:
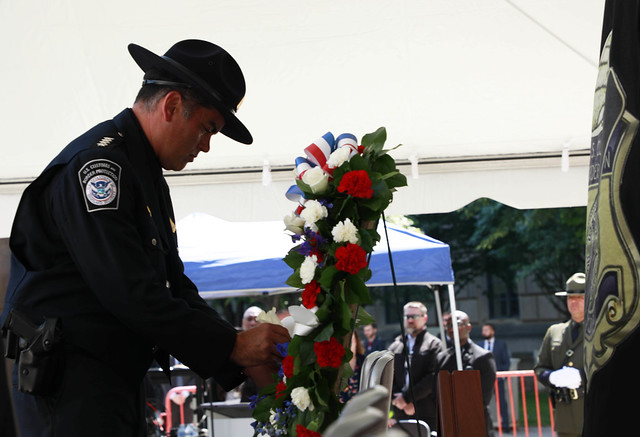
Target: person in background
column 353, row 384
column 372, row 341
column 250, row 317
column 473, row 358
column 560, row 364
column 95, row 259
column 503, row 362
column 419, row 401
column 248, row 388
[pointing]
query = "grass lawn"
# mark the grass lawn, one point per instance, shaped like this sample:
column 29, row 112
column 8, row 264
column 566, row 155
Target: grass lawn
column 531, row 409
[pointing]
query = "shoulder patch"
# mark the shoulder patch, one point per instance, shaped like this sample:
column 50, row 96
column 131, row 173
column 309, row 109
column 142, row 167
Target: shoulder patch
column 100, row 182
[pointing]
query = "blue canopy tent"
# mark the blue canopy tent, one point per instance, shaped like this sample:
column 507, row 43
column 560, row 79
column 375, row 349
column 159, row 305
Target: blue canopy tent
column 240, row 258
column 234, row 259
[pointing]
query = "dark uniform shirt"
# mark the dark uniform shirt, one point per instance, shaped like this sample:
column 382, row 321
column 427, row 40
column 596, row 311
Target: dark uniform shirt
column 94, row 243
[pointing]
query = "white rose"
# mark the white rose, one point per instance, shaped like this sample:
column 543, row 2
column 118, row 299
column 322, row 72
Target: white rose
column 317, row 180
column 301, row 321
column 270, row 317
column 338, row 157
column 313, row 211
column 308, row 268
column 300, row 398
column 345, row 231
column 294, row 223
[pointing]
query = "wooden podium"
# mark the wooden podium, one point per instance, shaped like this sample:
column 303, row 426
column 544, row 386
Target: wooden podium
column 460, row 405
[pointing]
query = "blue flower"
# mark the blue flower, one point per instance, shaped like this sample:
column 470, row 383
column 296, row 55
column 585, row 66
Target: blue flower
column 313, row 243
column 254, row 399
column 326, row 203
column 282, row 348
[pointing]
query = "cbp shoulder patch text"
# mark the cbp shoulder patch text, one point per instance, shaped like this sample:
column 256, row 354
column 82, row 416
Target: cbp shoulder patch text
column 100, row 182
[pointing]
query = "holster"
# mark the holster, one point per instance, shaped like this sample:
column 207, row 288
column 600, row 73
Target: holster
column 566, row 395
column 35, row 349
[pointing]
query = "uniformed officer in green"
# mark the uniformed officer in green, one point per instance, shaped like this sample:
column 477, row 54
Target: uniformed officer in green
column 561, row 362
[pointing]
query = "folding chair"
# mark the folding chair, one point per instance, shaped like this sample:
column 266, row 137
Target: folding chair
column 360, row 423
column 367, row 368
column 382, row 374
column 364, row 399
column 410, row 426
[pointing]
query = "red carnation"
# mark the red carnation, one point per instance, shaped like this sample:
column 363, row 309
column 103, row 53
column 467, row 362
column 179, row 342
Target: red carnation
column 280, row 389
column 357, row 184
column 301, row 431
column 310, row 293
column 329, row 353
column 319, row 255
column 351, row 258
column 287, row 366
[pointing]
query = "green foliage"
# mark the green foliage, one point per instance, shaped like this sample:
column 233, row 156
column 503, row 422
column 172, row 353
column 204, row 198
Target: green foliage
column 488, row 238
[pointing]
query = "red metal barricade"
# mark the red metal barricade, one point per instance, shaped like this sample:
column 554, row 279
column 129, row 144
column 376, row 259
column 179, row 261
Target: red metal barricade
column 170, row 397
column 521, row 375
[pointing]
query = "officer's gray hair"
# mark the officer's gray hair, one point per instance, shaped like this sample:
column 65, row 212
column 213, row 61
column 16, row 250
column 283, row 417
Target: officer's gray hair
column 150, row 94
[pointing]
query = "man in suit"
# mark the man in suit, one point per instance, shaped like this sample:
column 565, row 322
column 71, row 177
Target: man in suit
column 503, row 361
column 372, row 342
column 473, row 358
column 414, row 396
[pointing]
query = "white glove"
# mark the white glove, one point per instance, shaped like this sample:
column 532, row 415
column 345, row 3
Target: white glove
column 568, row 377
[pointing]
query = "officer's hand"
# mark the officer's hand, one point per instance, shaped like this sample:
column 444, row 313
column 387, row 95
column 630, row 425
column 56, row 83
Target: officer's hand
column 257, row 346
column 262, row 375
column 567, row 377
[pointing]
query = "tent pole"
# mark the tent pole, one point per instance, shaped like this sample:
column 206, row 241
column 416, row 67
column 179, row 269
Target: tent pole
column 436, row 295
column 456, row 334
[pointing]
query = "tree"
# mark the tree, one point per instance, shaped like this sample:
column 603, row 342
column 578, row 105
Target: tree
column 492, row 240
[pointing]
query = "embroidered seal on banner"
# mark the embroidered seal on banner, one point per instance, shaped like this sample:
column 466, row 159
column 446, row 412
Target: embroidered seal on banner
column 100, row 182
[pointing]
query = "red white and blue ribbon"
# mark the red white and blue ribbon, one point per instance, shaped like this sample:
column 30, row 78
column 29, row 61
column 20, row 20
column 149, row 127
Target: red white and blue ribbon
column 302, row 165
column 348, row 140
column 317, row 154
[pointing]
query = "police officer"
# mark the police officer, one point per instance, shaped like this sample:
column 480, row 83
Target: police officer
column 561, row 360
column 95, row 258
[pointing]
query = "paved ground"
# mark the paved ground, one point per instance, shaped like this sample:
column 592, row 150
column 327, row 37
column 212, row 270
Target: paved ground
column 532, row 432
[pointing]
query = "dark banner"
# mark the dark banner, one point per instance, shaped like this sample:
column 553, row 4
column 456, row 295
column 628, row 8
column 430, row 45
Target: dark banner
column 612, row 340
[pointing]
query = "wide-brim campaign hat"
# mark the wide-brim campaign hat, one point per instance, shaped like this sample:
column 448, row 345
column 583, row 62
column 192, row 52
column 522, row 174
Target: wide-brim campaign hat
column 208, row 70
column 574, row 287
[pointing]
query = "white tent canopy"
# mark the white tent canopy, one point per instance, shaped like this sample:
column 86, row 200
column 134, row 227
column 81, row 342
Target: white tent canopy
column 484, row 95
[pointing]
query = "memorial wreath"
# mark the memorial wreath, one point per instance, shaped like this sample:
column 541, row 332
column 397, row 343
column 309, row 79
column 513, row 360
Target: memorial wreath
column 342, row 189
